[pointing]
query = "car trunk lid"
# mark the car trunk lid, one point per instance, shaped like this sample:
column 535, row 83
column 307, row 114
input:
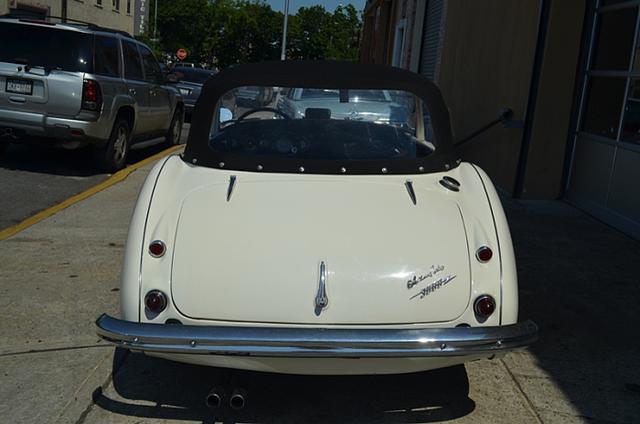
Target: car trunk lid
column 258, row 256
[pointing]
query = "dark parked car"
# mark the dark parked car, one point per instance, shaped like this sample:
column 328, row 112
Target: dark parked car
column 190, row 83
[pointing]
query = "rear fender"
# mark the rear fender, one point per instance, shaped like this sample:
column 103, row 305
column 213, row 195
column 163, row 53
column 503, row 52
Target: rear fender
column 131, row 271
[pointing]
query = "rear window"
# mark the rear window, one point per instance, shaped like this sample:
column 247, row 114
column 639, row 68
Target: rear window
column 339, row 125
column 39, row 46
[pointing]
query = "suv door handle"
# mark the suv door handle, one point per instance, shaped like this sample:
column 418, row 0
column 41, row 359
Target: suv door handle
column 132, row 91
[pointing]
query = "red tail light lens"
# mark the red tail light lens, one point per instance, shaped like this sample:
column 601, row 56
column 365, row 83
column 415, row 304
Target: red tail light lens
column 155, row 301
column 484, row 306
column 91, row 95
column 484, row 254
column 157, row 248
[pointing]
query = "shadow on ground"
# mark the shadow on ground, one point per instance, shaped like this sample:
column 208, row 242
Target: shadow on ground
column 579, row 281
column 70, row 163
column 177, row 391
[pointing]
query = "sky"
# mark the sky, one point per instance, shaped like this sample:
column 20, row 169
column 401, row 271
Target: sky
column 330, row 5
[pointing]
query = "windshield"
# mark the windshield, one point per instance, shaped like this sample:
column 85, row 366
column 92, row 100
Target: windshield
column 197, row 76
column 324, row 94
column 40, row 46
column 322, row 124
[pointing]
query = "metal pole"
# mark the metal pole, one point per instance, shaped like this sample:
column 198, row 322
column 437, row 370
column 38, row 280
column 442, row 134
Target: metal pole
column 283, row 54
column 155, row 21
column 64, row 11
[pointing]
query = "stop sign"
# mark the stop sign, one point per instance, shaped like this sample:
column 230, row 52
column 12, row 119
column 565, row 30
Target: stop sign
column 182, row 54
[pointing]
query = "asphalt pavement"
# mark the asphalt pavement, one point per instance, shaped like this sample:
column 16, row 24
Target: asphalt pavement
column 33, row 178
column 578, row 280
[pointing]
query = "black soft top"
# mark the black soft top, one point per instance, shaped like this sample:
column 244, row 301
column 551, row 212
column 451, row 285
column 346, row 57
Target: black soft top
column 319, row 74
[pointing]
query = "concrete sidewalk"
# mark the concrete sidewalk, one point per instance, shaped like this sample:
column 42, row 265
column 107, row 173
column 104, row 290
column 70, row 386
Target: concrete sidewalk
column 579, row 281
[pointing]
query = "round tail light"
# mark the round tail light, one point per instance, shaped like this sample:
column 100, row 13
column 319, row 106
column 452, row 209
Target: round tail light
column 484, row 254
column 157, row 248
column 484, row 306
column 155, row 301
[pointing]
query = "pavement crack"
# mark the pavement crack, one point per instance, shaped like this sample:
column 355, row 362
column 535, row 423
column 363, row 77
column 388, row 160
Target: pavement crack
column 526, row 398
column 53, row 349
column 80, row 387
column 99, row 390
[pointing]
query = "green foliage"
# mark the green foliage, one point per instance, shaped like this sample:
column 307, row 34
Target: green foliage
column 184, row 24
column 317, row 34
column 226, row 32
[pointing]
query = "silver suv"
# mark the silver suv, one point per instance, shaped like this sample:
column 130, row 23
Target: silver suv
column 83, row 85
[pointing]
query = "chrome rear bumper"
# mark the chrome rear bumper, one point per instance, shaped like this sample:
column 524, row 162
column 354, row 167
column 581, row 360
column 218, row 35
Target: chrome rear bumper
column 316, row 342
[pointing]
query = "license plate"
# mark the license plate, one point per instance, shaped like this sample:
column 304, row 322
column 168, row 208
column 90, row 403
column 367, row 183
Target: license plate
column 19, row 86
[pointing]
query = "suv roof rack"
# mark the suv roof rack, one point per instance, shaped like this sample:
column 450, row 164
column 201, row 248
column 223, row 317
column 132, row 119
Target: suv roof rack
column 67, row 21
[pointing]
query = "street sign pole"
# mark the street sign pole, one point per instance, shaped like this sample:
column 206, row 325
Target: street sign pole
column 283, row 54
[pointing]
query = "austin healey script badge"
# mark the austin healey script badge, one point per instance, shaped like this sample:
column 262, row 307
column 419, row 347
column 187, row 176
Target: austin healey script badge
column 441, row 282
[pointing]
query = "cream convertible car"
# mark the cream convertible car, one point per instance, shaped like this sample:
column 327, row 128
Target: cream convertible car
column 319, row 244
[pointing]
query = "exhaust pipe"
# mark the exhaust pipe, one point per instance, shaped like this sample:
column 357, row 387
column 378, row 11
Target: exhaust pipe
column 214, row 398
column 238, row 399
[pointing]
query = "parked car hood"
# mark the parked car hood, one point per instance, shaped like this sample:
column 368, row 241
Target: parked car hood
column 253, row 252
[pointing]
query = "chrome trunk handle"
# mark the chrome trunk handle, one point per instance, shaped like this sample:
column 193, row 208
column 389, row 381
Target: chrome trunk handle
column 321, row 297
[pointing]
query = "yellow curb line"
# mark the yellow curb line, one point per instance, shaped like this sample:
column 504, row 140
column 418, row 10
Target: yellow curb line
column 113, row 179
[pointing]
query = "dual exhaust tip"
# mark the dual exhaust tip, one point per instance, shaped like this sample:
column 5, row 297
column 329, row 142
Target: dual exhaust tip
column 216, row 397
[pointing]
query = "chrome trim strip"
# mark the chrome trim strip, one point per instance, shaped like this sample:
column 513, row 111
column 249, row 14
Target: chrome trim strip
column 316, row 342
column 232, row 183
column 412, row 194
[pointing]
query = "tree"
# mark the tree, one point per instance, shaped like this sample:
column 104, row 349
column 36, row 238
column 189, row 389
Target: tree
column 226, row 32
column 344, row 30
column 244, row 31
column 318, row 34
column 309, row 35
column 185, row 24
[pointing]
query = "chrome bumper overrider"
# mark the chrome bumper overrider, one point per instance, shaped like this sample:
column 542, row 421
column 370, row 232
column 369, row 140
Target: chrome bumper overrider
column 315, row 342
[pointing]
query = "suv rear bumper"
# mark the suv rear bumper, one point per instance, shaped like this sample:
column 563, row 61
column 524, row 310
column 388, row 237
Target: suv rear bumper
column 41, row 125
column 316, row 342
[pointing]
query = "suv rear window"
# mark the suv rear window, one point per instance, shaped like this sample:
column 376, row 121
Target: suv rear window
column 40, row 46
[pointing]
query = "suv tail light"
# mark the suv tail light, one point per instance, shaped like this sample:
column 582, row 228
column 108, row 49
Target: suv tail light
column 91, row 95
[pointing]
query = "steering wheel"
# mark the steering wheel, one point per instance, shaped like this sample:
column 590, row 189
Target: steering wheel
column 262, row 109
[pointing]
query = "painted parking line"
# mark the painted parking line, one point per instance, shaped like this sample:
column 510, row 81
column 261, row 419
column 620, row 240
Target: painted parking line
column 113, row 179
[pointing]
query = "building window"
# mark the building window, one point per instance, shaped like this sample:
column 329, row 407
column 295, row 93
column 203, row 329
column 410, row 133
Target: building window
column 128, row 7
column 611, row 105
column 115, row 4
column 99, row 3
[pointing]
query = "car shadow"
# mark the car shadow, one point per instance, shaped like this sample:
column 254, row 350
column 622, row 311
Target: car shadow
column 69, row 163
column 148, row 387
column 48, row 160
